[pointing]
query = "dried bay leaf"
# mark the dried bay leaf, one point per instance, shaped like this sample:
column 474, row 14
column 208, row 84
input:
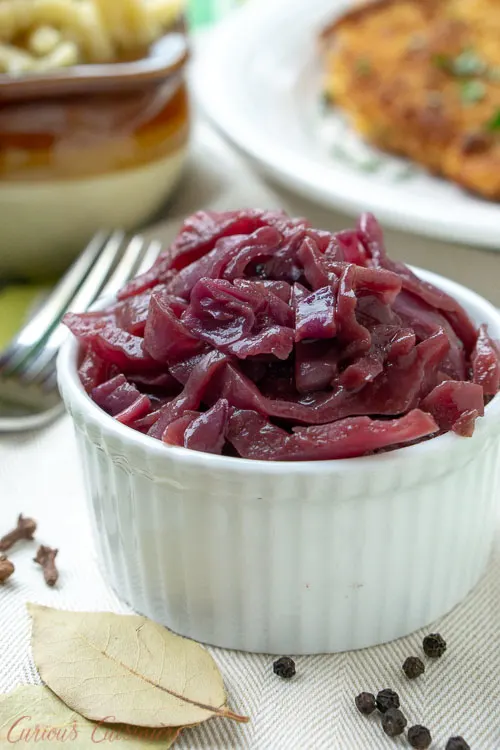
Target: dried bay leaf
column 126, row 669
column 33, row 715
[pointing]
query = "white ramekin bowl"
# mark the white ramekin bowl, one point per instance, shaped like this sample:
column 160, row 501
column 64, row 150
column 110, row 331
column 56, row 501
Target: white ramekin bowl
column 296, row 558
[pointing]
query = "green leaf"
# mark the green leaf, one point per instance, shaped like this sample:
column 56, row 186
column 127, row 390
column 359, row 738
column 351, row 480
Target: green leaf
column 33, row 715
column 494, row 123
column 472, row 92
column 126, row 668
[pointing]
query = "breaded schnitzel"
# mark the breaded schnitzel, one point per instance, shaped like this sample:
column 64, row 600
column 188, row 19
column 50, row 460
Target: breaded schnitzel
column 421, row 78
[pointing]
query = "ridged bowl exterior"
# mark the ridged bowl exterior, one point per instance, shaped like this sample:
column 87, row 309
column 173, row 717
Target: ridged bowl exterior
column 306, row 557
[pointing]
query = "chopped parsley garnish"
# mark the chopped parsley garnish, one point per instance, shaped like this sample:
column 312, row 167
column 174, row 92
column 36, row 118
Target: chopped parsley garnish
column 363, row 66
column 326, row 101
column 406, row 173
column 464, row 65
column 364, row 164
column 494, row 123
column 472, row 92
column 371, row 165
column 468, row 64
column 442, row 61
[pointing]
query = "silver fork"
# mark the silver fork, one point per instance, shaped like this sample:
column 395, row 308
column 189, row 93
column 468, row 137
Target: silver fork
column 29, row 397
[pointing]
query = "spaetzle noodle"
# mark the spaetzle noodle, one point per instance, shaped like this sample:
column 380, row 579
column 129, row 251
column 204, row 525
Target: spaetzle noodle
column 62, row 33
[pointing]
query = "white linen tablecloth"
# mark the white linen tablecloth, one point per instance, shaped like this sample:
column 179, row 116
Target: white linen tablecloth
column 40, row 476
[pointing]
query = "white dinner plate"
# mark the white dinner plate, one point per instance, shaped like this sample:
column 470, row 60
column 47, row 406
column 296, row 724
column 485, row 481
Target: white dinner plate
column 258, row 78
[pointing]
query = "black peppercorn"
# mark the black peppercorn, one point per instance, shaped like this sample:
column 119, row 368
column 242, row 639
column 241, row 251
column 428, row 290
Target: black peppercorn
column 413, row 667
column 419, row 737
column 457, row 743
column 365, row 703
column 434, row 645
column 387, row 699
column 393, row 722
column 284, row 667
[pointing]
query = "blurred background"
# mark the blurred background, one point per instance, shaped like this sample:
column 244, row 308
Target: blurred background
column 41, row 232
column 312, row 107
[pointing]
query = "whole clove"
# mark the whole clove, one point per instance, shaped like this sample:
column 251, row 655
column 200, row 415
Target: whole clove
column 46, row 557
column 6, row 568
column 25, row 529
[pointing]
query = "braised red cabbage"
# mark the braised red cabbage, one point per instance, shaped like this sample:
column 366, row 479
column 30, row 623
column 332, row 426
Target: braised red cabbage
column 255, row 335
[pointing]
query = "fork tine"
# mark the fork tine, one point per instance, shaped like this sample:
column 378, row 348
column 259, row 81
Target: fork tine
column 43, row 365
column 50, row 384
column 126, row 267
column 32, row 334
column 151, row 254
column 88, row 292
